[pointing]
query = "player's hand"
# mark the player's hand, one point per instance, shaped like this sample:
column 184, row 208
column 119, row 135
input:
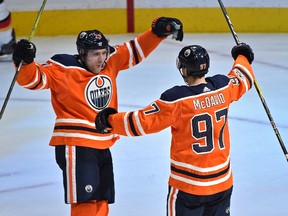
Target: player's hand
column 243, row 49
column 101, row 121
column 24, row 50
column 165, row 26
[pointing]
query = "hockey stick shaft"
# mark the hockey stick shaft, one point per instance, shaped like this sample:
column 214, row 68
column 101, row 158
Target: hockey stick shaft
column 235, row 36
column 20, row 65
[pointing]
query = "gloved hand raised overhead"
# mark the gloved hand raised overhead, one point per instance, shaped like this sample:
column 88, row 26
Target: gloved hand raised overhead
column 165, row 26
column 243, row 49
column 24, row 50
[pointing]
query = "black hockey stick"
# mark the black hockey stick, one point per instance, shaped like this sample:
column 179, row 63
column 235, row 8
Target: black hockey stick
column 20, row 65
column 255, row 83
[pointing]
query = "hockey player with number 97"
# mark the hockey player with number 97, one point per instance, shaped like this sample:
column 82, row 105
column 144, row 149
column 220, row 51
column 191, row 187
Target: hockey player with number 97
column 82, row 85
column 200, row 182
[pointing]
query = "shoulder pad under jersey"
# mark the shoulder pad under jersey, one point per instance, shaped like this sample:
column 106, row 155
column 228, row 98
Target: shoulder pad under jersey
column 112, row 49
column 218, row 81
column 67, row 60
column 178, row 92
column 175, row 93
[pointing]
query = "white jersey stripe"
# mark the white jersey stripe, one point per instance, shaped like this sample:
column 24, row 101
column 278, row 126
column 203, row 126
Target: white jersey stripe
column 71, row 174
column 130, row 54
column 139, row 123
column 171, row 205
column 85, row 136
column 139, row 49
column 198, row 183
column 200, row 169
column 246, row 71
column 44, row 81
column 126, row 124
column 75, row 121
column 34, row 81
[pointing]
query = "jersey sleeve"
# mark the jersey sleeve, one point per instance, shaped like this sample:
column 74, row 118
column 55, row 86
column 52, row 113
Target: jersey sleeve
column 134, row 51
column 152, row 119
column 32, row 76
column 241, row 78
column 36, row 76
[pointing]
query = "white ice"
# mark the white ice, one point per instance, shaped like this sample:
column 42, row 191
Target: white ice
column 31, row 182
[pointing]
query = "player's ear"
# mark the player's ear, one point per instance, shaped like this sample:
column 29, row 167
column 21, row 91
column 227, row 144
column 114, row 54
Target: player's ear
column 184, row 71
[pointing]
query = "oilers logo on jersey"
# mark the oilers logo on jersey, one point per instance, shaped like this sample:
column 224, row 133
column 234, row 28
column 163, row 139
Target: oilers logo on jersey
column 98, row 92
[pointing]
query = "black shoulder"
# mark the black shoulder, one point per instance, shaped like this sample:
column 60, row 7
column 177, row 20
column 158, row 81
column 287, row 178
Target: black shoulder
column 218, row 81
column 213, row 83
column 67, row 60
column 112, row 49
column 175, row 93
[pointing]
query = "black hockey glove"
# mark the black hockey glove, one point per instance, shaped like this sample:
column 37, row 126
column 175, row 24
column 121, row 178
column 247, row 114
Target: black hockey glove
column 24, row 50
column 101, row 120
column 243, row 49
column 165, row 26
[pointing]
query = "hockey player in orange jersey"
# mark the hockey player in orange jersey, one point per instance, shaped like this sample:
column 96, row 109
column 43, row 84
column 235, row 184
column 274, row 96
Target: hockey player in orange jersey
column 81, row 86
column 200, row 182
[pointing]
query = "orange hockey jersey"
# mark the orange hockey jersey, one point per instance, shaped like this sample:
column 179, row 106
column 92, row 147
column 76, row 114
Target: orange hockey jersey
column 198, row 117
column 77, row 94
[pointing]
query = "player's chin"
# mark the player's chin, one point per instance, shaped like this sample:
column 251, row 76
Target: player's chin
column 96, row 69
